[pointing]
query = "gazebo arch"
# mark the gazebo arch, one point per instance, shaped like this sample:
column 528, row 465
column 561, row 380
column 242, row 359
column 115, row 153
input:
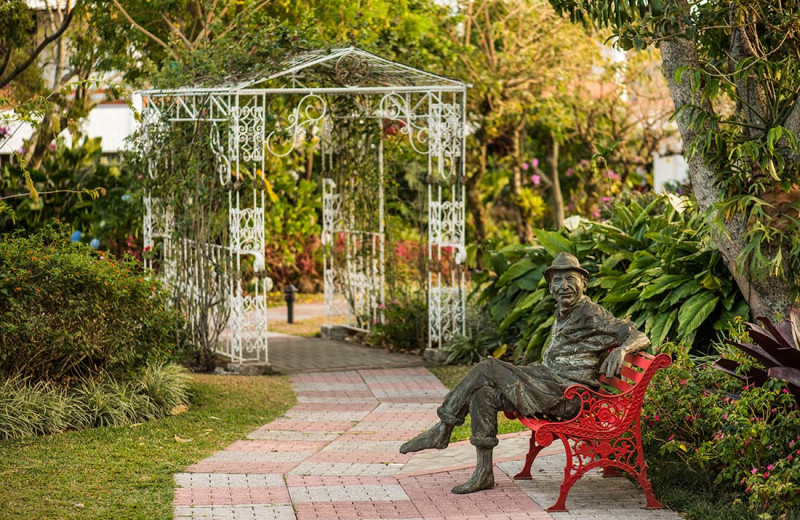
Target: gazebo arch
column 321, row 94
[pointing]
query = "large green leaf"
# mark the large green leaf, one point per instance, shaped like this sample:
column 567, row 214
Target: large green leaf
column 695, row 311
column 515, row 271
column 661, row 327
column 552, row 241
column 663, row 283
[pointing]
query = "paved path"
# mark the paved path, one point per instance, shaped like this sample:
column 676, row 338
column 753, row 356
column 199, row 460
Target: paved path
column 293, row 354
column 334, row 456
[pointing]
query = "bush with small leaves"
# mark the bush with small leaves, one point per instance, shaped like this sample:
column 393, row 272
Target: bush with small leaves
column 68, row 311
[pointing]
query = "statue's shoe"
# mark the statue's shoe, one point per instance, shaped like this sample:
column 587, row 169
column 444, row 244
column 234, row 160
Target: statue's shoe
column 438, row 437
column 479, row 481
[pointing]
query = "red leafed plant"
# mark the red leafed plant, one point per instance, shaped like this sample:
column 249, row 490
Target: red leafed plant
column 776, row 347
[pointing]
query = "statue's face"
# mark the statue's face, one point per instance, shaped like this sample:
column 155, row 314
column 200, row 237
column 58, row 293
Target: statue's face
column 567, row 287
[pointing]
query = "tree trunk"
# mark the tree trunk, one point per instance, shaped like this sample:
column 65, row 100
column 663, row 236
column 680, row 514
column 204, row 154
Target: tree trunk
column 766, row 295
column 524, row 228
column 555, row 189
column 474, row 197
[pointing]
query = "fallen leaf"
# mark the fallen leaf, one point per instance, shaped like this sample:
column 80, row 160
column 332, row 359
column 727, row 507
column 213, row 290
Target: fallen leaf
column 181, row 439
column 79, row 505
column 215, row 418
column 206, row 432
column 136, row 424
column 178, row 409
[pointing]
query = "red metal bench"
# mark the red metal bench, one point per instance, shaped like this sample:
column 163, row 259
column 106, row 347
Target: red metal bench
column 606, row 433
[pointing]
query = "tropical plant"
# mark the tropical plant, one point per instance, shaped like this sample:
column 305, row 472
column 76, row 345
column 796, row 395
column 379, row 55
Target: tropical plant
column 404, row 324
column 31, row 408
column 77, row 187
column 775, row 346
column 479, row 340
column 655, row 264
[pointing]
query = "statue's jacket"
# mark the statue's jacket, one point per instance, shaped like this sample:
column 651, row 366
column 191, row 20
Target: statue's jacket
column 580, row 340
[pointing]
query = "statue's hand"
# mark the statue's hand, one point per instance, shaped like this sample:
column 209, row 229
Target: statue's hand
column 613, row 363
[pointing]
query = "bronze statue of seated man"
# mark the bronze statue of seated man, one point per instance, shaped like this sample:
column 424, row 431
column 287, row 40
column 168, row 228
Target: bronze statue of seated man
column 585, row 341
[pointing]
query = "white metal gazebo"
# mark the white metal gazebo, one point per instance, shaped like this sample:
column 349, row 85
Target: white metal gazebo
column 344, row 100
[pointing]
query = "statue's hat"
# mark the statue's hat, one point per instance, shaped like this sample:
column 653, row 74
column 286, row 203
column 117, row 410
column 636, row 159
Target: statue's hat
column 564, row 262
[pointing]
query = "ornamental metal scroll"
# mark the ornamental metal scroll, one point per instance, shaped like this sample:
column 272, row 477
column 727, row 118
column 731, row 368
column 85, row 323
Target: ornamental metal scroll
column 249, row 131
column 221, row 154
column 446, row 133
column 331, row 211
column 397, row 108
column 352, row 70
column 309, row 110
column 445, row 312
column 247, row 230
column 446, row 221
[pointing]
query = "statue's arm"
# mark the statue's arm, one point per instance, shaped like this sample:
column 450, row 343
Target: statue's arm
column 634, row 342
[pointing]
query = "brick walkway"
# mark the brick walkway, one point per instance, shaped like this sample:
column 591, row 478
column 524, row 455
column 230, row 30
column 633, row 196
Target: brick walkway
column 334, row 456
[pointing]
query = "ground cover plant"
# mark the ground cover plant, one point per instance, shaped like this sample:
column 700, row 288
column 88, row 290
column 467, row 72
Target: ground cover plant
column 127, row 472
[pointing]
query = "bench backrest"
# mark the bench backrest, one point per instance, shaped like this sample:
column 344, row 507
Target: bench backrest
column 634, row 367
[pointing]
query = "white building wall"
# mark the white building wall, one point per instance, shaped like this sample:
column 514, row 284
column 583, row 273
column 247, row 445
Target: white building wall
column 669, row 168
column 112, row 122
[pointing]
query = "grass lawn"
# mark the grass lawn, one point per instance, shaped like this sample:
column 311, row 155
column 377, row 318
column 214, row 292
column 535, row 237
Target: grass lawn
column 127, row 472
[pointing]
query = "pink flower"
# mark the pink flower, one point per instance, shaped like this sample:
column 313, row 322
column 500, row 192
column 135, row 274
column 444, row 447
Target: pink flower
column 596, row 213
column 670, row 437
column 570, row 171
column 747, row 490
column 534, row 162
column 524, row 166
column 789, row 458
column 754, row 471
column 770, row 467
column 536, row 179
column 683, row 381
column 606, row 199
column 613, row 175
column 140, row 176
column 766, row 475
column 791, row 443
column 655, row 417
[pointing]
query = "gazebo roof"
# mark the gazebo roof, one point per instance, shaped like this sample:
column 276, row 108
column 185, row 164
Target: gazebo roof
column 328, row 69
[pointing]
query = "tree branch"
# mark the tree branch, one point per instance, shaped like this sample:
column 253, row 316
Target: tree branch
column 144, row 31
column 41, row 47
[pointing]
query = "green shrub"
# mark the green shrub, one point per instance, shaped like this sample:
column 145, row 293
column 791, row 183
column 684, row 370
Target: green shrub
column 111, row 218
column 67, row 311
column 655, row 264
column 165, row 385
column 748, row 437
column 481, row 339
column 404, row 326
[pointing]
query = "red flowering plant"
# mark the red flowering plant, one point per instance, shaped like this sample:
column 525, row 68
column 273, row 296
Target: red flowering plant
column 747, row 436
